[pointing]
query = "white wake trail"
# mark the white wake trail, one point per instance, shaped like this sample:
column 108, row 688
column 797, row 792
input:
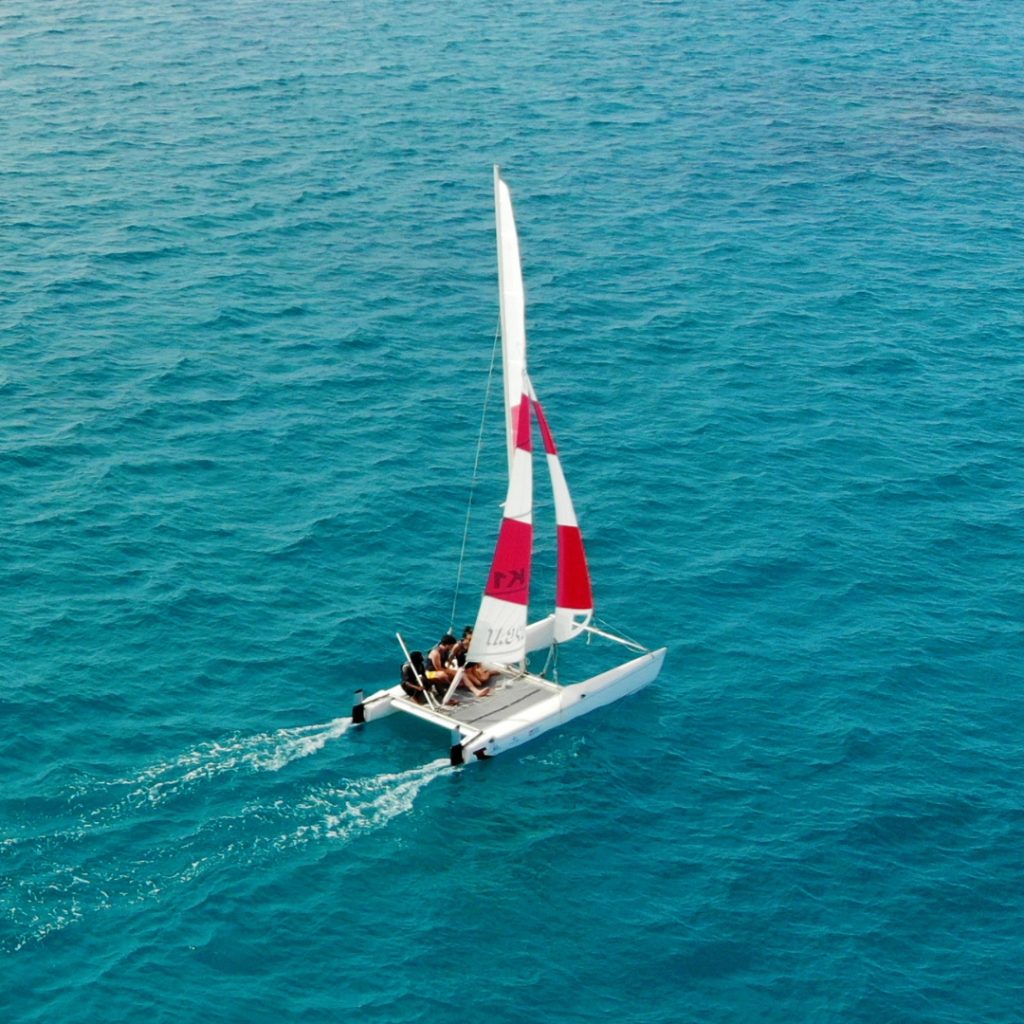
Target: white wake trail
column 362, row 805
column 262, row 752
column 74, row 876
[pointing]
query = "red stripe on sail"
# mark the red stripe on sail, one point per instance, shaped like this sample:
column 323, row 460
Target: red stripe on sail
column 510, row 570
column 573, row 589
column 523, row 439
column 545, row 431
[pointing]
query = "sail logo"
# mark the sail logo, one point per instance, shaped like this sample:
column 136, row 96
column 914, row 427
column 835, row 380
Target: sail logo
column 507, row 582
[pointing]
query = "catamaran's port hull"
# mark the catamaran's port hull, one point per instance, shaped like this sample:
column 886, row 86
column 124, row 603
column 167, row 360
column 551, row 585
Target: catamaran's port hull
column 520, row 709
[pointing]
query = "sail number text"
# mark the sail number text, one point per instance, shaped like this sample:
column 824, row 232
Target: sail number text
column 504, row 636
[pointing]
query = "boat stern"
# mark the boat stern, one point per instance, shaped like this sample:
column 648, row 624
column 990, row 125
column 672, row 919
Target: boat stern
column 377, row 705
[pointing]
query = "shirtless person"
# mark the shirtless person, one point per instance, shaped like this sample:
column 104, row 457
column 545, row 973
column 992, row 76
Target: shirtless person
column 475, row 677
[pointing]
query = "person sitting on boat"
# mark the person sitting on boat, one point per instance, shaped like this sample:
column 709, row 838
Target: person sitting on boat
column 474, row 677
column 418, row 679
column 480, row 674
column 459, row 651
column 414, row 677
column 440, row 665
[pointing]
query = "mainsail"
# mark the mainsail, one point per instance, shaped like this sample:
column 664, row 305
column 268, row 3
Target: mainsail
column 500, row 631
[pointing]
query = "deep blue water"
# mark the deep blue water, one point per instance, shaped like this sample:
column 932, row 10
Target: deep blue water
column 775, row 263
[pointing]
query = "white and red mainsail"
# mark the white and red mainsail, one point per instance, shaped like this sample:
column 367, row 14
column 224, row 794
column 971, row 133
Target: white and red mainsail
column 500, row 631
column 501, row 634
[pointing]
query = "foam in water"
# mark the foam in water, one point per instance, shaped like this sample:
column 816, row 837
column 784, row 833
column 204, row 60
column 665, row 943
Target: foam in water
column 365, row 804
column 70, row 878
column 263, row 752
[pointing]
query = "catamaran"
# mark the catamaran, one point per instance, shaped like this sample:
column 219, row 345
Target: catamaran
column 521, row 704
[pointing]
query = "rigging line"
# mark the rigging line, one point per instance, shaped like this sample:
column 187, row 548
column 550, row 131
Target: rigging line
column 609, row 633
column 551, row 661
column 476, row 467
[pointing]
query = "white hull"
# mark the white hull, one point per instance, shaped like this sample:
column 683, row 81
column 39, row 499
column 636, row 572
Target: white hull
column 520, row 709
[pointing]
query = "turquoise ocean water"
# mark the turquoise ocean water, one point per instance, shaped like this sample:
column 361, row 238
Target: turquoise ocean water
column 775, row 263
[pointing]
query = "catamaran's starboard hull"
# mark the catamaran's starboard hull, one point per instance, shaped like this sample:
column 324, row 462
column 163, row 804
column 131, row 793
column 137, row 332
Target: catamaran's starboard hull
column 521, row 709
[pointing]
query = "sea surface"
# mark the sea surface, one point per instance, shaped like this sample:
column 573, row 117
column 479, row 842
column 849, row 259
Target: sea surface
column 774, row 256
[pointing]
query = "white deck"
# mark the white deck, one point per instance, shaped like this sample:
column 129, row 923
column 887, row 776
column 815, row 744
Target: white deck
column 509, row 696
